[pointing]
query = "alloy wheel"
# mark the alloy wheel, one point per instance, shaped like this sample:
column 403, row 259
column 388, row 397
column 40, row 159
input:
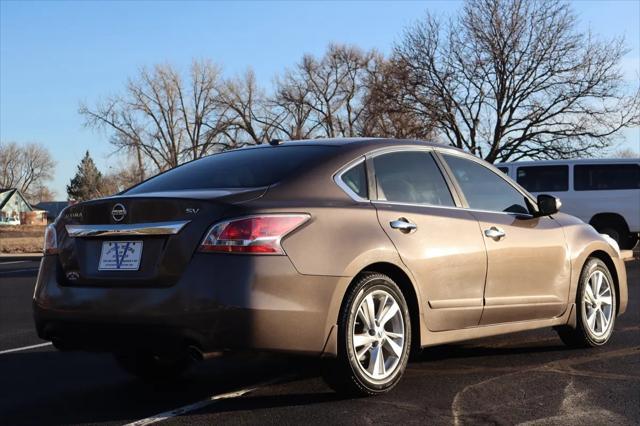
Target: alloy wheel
column 378, row 335
column 597, row 303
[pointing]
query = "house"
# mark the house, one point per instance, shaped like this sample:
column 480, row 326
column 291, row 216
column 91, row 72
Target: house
column 15, row 210
column 53, row 208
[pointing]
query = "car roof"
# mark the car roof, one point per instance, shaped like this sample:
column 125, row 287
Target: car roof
column 353, row 142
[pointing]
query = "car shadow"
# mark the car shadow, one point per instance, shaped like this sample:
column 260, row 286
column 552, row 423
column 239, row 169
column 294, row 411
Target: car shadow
column 449, row 352
column 75, row 387
column 69, row 388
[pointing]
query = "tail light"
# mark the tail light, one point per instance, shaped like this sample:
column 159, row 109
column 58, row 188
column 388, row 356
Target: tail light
column 253, row 234
column 50, row 240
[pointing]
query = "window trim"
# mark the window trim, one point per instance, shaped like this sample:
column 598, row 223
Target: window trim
column 337, row 178
column 452, row 184
column 435, row 206
column 411, row 148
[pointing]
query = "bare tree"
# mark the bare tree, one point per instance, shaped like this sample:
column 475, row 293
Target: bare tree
column 246, row 111
column 163, row 119
column 386, row 111
column 626, row 153
column 323, row 97
column 289, row 109
column 40, row 193
column 509, row 79
column 27, row 167
column 120, row 177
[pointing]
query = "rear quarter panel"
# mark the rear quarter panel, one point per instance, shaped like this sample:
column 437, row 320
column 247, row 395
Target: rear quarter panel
column 341, row 242
column 341, row 238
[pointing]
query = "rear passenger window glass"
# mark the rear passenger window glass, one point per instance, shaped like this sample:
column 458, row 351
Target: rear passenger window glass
column 544, row 178
column 411, row 177
column 602, row 177
column 484, row 189
column 504, row 170
column 356, row 179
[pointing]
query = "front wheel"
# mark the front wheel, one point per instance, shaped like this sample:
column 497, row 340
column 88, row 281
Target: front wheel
column 595, row 307
column 374, row 338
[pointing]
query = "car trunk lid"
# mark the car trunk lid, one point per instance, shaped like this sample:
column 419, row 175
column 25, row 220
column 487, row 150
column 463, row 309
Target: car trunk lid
column 162, row 229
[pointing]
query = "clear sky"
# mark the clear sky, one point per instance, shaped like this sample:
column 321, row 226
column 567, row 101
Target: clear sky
column 55, row 54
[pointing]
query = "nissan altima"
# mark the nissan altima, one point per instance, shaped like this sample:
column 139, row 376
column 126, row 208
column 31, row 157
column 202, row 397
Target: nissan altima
column 357, row 251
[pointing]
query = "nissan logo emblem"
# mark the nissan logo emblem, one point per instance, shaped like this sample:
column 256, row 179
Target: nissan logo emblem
column 118, row 212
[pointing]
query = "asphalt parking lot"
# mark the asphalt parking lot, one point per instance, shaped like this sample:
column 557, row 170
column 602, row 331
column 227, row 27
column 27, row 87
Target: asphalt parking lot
column 528, row 378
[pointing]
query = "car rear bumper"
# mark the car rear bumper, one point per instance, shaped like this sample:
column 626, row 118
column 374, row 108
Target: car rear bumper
column 221, row 302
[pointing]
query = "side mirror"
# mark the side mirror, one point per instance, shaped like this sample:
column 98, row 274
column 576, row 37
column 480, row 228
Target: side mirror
column 548, row 205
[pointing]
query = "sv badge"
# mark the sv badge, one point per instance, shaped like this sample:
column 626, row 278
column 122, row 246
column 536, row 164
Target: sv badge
column 192, row 211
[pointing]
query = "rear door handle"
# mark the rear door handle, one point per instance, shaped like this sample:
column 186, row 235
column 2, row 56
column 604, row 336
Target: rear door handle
column 404, row 225
column 495, row 233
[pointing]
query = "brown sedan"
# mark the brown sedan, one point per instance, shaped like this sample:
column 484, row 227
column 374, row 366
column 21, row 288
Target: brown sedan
column 355, row 250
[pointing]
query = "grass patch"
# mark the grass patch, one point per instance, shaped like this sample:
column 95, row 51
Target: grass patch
column 21, row 239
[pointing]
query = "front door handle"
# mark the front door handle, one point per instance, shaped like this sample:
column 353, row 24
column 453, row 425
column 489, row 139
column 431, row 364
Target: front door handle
column 495, row 233
column 403, row 225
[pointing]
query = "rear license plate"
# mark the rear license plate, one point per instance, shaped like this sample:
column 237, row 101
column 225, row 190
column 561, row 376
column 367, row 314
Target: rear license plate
column 120, row 256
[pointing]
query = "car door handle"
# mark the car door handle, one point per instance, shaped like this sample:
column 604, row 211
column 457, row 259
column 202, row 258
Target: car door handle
column 404, row 225
column 494, row 232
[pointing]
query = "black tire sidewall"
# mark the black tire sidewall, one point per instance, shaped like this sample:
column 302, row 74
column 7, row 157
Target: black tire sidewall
column 591, row 266
column 367, row 285
column 614, row 232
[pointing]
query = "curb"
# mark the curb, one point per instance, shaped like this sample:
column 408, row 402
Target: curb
column 20, row 256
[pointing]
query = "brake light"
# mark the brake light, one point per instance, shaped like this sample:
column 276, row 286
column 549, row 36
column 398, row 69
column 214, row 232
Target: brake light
column 253, row 234
column 50, row 240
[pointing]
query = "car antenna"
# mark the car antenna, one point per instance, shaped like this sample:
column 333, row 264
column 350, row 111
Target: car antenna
column 275, row 142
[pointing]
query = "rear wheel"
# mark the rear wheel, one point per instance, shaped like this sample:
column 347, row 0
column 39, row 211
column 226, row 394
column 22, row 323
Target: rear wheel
column 595, row 307
column 374, row 338
column 151, row 367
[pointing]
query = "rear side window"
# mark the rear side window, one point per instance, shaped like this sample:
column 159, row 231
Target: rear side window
column 544, row 178
column 356, row 180
column 484, row 189
column 411, row 177
column 242, row 168
column 602, row 177
column 504, row 170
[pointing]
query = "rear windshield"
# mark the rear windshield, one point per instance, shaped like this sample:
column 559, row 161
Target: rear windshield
column 242, row 168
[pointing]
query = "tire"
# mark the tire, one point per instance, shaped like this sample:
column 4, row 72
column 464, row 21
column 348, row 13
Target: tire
column 151, row 368
column 591, row 329
column 626, row 240
column 617, row 233
column 630, row 243
column 371, row 358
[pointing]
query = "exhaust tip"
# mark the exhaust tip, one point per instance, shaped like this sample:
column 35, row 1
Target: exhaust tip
column 197, row 354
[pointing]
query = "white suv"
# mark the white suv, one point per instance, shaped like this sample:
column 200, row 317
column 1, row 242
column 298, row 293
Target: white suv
column 603, row 193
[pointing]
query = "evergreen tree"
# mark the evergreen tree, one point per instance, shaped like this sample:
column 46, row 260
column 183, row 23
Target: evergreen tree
column 87, row 183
